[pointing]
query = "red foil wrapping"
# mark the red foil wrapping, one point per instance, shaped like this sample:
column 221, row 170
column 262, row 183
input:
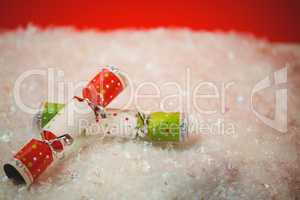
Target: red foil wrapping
column 34, row 158
column 104, row 87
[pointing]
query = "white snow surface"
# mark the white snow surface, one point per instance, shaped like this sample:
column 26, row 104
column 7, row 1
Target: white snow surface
column 254, row 161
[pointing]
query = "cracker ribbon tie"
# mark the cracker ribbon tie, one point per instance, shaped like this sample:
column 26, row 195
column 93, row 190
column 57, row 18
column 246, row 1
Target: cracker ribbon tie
column 96, row 109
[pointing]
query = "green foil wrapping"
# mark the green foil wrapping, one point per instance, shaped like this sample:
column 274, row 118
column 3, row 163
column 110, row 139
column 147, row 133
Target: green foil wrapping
column 156, row 126
column 164, row 126
column 49, row 110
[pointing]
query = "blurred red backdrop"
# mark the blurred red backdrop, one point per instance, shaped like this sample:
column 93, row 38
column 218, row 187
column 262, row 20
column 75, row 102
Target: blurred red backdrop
column 276, row 20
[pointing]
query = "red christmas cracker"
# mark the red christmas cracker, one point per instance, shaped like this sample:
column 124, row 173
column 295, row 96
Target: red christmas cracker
column 97, row 94
column 102, row 89
column 35, row 157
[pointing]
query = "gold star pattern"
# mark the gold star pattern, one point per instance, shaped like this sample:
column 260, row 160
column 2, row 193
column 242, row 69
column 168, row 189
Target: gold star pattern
column 106, row 74
column 102, row 91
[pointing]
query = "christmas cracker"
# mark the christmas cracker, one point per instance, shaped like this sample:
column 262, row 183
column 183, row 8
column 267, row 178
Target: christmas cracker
column 59, row 126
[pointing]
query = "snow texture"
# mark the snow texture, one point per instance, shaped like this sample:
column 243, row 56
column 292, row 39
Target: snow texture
column 252, row 161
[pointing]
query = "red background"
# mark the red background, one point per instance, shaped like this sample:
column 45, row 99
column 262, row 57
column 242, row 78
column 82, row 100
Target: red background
column 276, row 20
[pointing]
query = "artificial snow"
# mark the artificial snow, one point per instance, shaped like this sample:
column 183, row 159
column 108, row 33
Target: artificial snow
column 252, row 161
